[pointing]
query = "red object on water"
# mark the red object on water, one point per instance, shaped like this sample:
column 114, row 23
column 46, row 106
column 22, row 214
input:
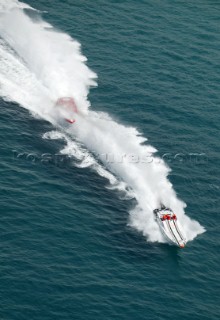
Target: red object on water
column 69, row 104
column 168, row 217
column 70, row 120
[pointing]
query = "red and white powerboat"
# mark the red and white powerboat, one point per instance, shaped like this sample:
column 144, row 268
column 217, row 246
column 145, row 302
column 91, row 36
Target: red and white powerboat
column 68, row 108
column 170, row 226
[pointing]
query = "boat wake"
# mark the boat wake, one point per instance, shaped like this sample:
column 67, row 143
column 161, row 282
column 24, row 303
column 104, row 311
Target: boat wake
column 38, row 65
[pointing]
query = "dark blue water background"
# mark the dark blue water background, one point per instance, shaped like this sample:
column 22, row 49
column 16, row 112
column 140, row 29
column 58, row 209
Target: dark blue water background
column 66, row 250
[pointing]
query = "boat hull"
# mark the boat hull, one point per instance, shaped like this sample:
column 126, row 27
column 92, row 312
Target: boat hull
column 170, row 226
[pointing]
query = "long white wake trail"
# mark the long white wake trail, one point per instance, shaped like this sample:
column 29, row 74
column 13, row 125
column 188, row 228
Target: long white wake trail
column 37, row 66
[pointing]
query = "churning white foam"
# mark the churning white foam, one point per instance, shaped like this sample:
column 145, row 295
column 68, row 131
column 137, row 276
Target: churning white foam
column 37, row 66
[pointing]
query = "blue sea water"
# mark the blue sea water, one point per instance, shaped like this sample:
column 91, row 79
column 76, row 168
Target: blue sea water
column 67, row 251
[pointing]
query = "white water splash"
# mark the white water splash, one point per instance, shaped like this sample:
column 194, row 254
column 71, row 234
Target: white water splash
column 37, row 66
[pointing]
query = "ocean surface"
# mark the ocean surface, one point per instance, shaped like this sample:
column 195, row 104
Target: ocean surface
column 78, row 238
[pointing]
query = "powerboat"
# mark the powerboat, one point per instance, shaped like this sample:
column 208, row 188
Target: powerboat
column 170, row 226
column 68, row 108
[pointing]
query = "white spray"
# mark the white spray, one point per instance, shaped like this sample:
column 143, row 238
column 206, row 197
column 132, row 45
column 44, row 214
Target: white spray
column 37, row 66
